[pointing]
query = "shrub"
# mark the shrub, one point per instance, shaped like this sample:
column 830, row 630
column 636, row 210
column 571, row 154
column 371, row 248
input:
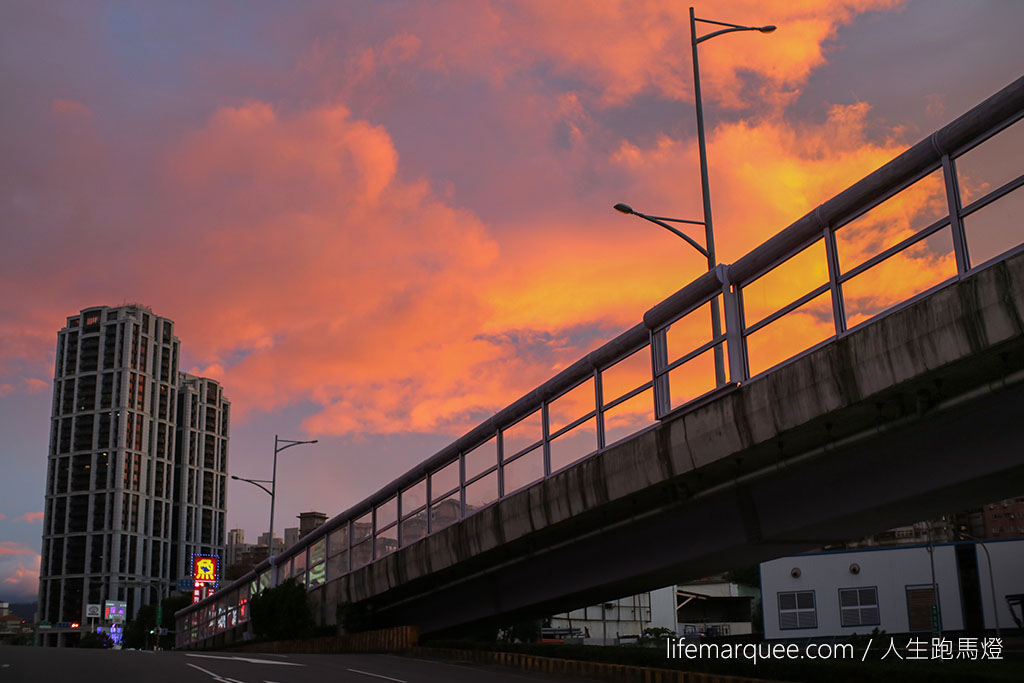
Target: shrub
column 282, row 612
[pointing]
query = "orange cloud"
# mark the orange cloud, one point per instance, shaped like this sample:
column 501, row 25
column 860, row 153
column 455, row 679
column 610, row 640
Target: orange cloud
column 310, row 265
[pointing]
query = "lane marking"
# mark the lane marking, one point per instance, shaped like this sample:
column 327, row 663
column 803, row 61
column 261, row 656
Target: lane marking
column 216, row 677
column 367, row 673
column 251, row 660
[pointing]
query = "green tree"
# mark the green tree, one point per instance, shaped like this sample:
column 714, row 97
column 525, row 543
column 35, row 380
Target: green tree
column 143, row 631
column 282, row 612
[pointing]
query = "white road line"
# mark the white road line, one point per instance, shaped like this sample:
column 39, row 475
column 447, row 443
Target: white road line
column 251, row 660
column 367, row 673
column 216, row 677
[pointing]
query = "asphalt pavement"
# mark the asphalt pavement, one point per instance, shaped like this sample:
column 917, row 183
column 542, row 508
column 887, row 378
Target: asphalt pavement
column 32, row 665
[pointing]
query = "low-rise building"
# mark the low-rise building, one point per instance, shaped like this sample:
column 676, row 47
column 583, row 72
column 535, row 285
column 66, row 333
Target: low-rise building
column 839, row 593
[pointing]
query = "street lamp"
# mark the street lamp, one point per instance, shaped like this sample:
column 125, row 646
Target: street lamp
column 709, row 233
column 279, row 445
column 991, row 579
column 716, row 325
column 705, row 190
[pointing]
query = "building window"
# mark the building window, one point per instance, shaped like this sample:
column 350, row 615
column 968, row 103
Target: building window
column 858, row 606
column 797, row 610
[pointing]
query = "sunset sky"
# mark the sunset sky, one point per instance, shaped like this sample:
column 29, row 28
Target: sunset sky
column 377, row 223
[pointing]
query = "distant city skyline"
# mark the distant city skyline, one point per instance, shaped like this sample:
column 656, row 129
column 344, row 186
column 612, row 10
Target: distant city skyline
column 379, row 225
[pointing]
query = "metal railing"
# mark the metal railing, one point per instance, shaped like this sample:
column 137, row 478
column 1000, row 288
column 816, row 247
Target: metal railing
column 665, row 363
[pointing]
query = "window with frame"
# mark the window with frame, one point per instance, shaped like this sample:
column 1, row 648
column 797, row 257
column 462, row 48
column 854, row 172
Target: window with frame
column 858, row 606
column 797, row 609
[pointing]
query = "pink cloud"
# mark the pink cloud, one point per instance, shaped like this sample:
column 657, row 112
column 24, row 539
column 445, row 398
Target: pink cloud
column 71, row 108
column 36, row 386
column 24, row 579
column 30, row 517
column 12, row 548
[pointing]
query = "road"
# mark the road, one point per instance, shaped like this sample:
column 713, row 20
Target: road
column 30, row 665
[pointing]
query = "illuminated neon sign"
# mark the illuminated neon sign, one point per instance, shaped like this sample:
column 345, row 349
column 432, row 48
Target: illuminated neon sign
column 204, row 568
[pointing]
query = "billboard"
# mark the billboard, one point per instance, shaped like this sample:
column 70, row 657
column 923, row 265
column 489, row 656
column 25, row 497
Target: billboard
column 204, row 568
column 114, row 610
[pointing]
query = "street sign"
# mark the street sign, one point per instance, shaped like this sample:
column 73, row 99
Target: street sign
column 93, row 611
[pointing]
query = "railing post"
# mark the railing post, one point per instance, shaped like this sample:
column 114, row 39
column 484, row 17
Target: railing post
column 546, row 442
column 963, row 261
column 500, row 445
column 659, row 361
column 835, row 286
column 598, row 408
column 733, row 328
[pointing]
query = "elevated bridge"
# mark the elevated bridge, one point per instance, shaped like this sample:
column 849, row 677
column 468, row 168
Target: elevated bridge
column 855, row 401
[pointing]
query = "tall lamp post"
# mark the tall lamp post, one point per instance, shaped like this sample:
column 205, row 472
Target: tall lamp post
column 709, row 233
column 279, row 445
column 991, row 578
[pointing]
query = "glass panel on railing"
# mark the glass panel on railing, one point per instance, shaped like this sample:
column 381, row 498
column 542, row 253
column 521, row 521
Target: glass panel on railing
column 785, row 283
column 387, row 512
column 571, row 406
column 626, row 375
column 693, row 378
column 522, row 434
column 691, row 331
column 299, row 562
column 444, row 512
column 628, row 417
column 481, row 492
column 414, row 497
column 317, row 575
column 892, row 221
column 481, row 458
column 995, row 228
column 317, row 552
column 524, row 470
column 991, row 164
column 794, row 332
column 899, row 277
column 362, row 553
column 387, row 542
column 337, row 542
column 337, row 566
column 362, row 528
column 444, row 480
column 575, row 444
column 414, row 528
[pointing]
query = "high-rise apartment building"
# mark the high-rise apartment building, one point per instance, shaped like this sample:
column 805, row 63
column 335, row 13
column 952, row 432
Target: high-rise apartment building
column 136, row 470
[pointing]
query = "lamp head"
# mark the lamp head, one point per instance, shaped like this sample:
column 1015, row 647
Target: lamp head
column 623, row 208
column 766, row 29
column 234, row 477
